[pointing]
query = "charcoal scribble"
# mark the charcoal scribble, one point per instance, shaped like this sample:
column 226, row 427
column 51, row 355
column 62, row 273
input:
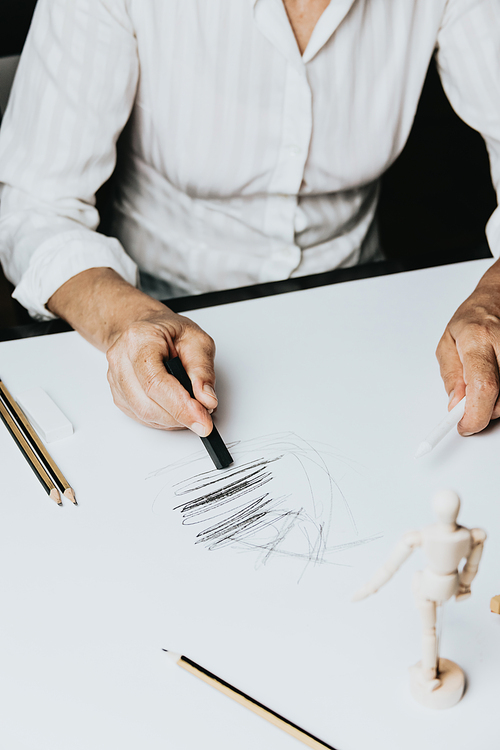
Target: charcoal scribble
column 279, row 497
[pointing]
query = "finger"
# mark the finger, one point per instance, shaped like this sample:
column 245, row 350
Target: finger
column 124, row 408
column 197, row 353
column 480, row 369
column 129, row 397
column 169, row 395
column 496, row 410
column 451, row 369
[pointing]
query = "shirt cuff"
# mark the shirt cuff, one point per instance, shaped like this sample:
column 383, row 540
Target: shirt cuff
column 59, row 259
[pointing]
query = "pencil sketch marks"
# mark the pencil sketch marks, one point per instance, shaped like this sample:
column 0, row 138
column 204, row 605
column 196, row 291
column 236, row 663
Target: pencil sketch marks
column 282, row 496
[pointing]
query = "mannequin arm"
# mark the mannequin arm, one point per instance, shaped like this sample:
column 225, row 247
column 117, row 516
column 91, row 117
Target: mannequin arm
column 401, row 552
column 478, row 537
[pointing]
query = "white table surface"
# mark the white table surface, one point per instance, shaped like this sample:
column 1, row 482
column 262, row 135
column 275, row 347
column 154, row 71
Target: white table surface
column 90, row 595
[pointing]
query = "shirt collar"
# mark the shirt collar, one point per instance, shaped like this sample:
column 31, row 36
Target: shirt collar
column 330, row 20
column 271, row 18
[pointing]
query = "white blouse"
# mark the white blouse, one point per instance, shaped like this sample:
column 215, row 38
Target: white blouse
column 245, row 161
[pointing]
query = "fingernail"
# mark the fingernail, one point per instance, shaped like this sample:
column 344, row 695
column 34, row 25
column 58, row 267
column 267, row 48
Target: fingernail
column 208, row 389
column 200, row 429
column 467, row 434
column 450, row 397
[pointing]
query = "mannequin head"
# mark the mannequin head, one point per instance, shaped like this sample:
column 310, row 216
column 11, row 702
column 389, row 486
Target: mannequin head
column 446, row 505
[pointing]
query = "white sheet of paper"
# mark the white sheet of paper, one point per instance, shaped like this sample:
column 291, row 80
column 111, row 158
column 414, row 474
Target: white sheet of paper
column 324, row 395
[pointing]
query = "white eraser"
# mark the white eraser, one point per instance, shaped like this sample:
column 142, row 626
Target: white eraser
column 47, row 419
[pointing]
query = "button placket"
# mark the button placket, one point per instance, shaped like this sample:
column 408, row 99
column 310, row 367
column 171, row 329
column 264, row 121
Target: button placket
column 288, row 175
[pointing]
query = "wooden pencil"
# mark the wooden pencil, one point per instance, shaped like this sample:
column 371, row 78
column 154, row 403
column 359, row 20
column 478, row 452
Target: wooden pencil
column 245, row 700
column 36, row 444
column 45, row 480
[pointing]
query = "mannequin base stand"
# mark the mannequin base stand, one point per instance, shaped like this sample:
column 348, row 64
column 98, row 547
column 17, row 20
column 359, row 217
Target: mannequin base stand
column 447, row 694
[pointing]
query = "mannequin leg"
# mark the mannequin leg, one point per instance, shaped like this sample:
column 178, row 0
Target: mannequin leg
column 427, row 609
column 434, row 682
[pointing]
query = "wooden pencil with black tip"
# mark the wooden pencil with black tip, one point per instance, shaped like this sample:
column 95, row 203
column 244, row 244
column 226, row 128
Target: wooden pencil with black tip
column 45, row 480
column 245, row 700
column 37, row 446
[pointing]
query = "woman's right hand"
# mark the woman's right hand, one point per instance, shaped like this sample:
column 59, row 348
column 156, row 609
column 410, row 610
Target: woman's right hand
column 144, row 390
column 138, row 333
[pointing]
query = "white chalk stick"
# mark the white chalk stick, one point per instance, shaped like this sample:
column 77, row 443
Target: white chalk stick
column 47, row 419
column 451, row 420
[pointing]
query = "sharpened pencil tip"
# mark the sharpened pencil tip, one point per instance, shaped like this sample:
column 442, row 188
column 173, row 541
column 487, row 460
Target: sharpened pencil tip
column 70, row 495
column 56, row 497
column 172, row 655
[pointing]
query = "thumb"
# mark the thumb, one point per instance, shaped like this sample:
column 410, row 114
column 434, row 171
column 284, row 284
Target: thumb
column 451, row 368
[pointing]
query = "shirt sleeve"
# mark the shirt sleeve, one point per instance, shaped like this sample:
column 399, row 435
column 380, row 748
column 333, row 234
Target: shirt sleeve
column 468, row 58
column 72, row 95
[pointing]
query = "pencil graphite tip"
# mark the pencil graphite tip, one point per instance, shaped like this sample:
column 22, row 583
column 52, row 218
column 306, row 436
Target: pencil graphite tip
column 70, row 495
column 172, row 655
column 56, row 497
column 422, row 449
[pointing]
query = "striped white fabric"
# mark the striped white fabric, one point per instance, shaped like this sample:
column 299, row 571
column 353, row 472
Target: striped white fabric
column 246, row 162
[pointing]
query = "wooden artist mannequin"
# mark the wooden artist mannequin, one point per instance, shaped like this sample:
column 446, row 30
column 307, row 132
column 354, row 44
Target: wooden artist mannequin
column 435, row 682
